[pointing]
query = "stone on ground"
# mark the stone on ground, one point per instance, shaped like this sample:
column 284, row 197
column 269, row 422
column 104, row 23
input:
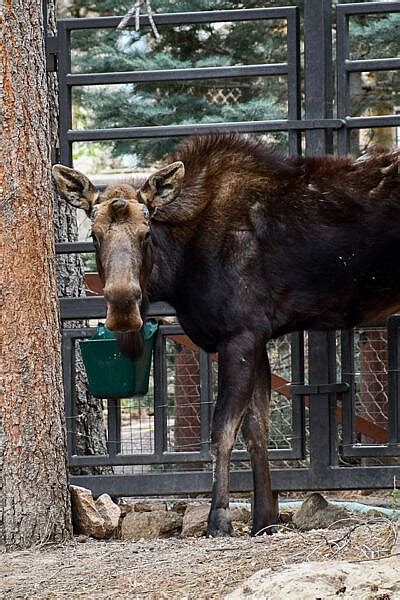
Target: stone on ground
column 195, row 520
column 127, row 507
column 149, row 506
column 85, row 516
column 367, row 580
column 150, row 525
column 180, row 506
column 196, row 515
column 110, row 513
column 317, row 513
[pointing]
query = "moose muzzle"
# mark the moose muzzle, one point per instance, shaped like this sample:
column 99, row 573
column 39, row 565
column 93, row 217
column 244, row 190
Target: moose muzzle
column 123, row 308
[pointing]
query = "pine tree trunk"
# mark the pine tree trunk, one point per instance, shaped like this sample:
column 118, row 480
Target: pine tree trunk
column 36, row 498
column 2, row 436
column 89, row 426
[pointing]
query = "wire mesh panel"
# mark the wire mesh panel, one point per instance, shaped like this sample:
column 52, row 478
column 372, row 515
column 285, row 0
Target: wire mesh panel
column 370, row 407
column 371, row 402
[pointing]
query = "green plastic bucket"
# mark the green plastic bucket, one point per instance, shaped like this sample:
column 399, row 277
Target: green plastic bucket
column 109, row 373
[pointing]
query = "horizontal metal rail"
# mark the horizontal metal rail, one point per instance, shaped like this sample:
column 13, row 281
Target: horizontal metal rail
column 151, row 484
column 94, row 307
column 370, row 450
column 124, row 133
column 376, row 64
column 359, row 8
column 185, row 18
column 177, row 74
column 168, row 458
column 375, row 121
column 74, row 247
column 274, row 69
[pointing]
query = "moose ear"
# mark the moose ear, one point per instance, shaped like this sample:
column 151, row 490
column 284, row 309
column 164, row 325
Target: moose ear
column 163, row 186
column 75, row 188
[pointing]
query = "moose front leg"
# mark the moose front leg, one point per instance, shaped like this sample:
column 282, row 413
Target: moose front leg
column 237, row 361
column 255, row 429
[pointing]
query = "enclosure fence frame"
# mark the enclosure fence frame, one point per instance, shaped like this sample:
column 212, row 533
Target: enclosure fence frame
column 318, row 127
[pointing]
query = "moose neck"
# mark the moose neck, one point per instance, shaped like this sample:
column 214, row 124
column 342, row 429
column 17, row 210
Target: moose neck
column 167, row 256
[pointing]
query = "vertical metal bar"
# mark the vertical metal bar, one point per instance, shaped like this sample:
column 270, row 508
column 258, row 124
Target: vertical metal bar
column 394, row 379
column 68, row 376
column 322, row 370
column 45, row 19
column 64, row 93
column 293, row 80
column 347, row 359
column 318, row 104
column 318, row 72
column 160, row 395
column 298, row 420
column 342, row 54
column 114, row 426
column 205, row 363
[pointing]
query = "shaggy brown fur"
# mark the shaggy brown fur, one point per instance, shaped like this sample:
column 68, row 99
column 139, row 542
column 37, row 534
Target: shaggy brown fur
column 248, row 244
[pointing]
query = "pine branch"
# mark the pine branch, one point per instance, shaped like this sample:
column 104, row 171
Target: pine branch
column 135, row 10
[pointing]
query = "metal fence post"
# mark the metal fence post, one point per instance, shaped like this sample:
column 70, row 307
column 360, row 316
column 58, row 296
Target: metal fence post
column 318, row 72
column 318, row 85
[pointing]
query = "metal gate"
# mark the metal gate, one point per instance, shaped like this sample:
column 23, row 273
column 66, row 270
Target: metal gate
column 327, row 443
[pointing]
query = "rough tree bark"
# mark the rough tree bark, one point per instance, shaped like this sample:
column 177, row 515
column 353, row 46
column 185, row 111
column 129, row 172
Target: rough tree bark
column 88, row 426
column 2, row 437
column 36, row 498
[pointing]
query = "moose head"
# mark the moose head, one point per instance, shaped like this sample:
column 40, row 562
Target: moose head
column 121, row 230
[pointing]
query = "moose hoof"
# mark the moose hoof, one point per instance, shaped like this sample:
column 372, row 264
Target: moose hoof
column 219, row 523
column 267, row 526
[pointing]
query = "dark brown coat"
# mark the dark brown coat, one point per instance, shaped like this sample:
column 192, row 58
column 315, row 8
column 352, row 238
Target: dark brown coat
column 247, row 244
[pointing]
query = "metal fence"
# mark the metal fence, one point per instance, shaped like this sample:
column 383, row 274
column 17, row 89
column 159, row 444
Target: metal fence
column 335, row 408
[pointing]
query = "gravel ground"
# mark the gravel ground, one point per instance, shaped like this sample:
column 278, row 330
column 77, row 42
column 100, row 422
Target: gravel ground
column 189, row 569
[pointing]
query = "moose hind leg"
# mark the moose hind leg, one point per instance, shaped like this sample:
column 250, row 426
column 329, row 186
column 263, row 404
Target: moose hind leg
column 235, row 386
column 255, row 429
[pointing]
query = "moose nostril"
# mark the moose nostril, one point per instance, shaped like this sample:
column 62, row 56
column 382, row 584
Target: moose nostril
column 119, row 204
column 122, row 295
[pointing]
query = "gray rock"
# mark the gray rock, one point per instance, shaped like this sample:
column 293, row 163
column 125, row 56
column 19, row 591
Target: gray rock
column 150, row 525
column 149, row 506
column 196, row 515
column 195, row 520
column 110, row 513
column 85, row 517
column 286, row 516
column 317, row 513
column 180, row 506
column 327, row 580
column 240, row 515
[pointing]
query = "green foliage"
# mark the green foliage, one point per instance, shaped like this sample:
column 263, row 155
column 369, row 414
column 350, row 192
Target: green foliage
column 211, row 101
column 377, row 92
column 171, row 103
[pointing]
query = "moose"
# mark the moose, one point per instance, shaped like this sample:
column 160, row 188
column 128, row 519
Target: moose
column 246, row 244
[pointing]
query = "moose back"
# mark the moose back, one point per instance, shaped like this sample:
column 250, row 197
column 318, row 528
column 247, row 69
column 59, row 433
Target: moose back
column 246, row 245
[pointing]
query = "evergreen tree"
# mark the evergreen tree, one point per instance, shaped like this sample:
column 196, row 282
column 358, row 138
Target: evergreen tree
column 187, row 102
column 206, row 101
column 375, row 93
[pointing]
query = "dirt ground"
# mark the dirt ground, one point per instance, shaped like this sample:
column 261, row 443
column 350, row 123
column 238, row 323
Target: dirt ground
column 179, row 568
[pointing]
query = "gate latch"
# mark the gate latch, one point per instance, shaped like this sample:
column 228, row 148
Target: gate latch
column 324, row 388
